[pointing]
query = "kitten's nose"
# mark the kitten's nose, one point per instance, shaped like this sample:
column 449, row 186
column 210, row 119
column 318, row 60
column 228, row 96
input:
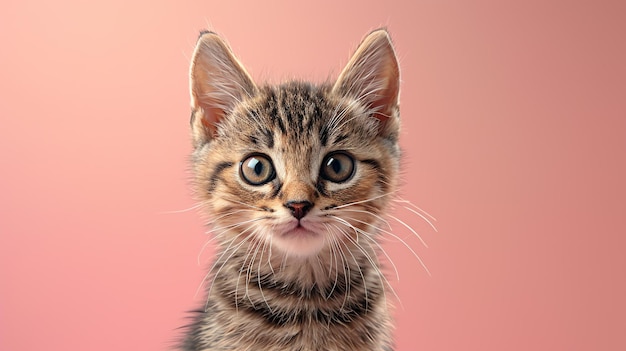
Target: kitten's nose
column 299, row 208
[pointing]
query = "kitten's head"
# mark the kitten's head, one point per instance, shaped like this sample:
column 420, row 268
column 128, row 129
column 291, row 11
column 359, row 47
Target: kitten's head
column 297, row 167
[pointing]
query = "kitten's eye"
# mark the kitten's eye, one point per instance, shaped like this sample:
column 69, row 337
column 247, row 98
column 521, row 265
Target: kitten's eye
column 257, row 169
column 337, row 167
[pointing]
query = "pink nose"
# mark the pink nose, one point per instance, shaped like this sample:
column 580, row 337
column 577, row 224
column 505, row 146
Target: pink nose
column 299, row 209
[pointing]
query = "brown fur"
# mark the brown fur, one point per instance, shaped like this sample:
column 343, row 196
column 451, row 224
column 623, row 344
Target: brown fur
column 271, row 289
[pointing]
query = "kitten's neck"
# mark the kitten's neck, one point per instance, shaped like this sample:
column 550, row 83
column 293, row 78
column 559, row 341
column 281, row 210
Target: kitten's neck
column 326, row 275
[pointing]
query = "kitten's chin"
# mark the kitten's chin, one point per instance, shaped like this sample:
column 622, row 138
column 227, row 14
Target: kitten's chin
column 299, row 241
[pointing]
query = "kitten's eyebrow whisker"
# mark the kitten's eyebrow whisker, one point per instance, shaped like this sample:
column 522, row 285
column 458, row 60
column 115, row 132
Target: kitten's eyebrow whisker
column 347, row 121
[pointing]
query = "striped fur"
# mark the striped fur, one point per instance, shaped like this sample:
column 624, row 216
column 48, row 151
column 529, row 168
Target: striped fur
column 280, row 282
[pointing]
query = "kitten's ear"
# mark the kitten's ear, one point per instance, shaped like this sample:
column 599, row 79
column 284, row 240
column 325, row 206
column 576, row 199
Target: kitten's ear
column 218, row 82
column 372, row 76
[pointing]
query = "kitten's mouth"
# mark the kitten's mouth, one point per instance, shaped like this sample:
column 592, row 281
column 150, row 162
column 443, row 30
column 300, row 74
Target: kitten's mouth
column 300, row 240
column 299, row 231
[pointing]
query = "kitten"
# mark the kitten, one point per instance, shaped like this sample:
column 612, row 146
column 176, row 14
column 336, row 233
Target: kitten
column 295, row 178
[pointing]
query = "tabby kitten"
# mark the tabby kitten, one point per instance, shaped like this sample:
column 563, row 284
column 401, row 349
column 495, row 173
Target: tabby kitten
column 296, row 178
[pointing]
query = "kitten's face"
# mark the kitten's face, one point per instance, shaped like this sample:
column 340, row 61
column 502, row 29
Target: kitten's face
column 298, row 168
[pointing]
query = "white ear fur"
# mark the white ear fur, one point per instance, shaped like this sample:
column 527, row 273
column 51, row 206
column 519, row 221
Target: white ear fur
column 372, row 76
column 218, row 81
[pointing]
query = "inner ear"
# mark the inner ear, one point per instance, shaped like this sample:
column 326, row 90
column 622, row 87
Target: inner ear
column 372, row 77
column 218, row 82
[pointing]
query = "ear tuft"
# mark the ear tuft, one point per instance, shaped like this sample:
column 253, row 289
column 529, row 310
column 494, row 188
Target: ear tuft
column 372, row 77
column 218, row 82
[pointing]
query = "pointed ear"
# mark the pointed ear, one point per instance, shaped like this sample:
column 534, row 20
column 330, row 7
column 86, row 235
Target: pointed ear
column 218, row 81
column 372, row 76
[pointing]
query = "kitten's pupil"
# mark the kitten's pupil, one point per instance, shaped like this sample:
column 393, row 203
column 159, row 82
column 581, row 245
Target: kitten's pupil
column 336, row 165
column 256, row 165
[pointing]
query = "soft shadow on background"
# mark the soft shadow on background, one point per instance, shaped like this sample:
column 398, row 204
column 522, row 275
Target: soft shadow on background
column 514, row 136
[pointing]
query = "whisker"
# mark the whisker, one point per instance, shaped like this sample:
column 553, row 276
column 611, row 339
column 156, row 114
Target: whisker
column 413, row 252
column 395, row 236
column 269, row 255
column 198, row 205
column 409, row 228
column 363, row 201
column 249, row 272
column 346, row 268
column 424, row 218
column 230, row 226
column 234, row 250
column 228, row 214
column 358, row 266
column 241, row 270
column 332, row 246
column 243, row 203
column 219, row 232
column 416, row 207
column 259, row 277
column 369, row 237
column 370, row 213
column 381, row 277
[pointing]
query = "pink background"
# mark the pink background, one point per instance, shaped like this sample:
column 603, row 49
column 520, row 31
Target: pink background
column 514, row 138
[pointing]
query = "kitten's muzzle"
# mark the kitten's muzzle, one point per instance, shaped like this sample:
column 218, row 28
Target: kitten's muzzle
column 299, row 209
